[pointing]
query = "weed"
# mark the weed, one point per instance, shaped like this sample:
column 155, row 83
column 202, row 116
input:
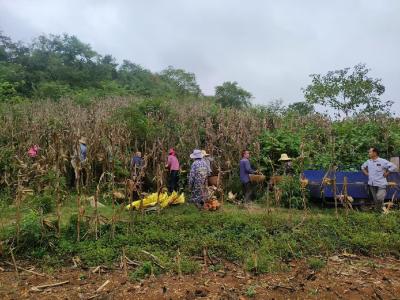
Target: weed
column 315, row 263
column 144, row 271
column 251, row 291
column 44, row 203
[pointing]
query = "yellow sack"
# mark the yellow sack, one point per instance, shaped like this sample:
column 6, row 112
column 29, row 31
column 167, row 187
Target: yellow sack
column 164, row 199
column 150, row 200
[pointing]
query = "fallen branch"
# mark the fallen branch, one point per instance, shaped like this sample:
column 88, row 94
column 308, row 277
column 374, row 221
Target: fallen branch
column 102, row 286
column 25, row 270
column 292, row 289
column 14, row 264
column 155, row 259
column 132, row 262
column 40, row 288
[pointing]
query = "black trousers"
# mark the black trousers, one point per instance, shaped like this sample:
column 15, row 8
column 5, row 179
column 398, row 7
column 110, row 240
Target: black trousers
column 247, row 191
column 173, row 181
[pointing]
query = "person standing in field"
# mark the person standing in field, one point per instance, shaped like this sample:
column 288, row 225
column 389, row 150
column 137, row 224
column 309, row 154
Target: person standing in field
column 79, row 160
column 33, row 151
column 286, row 165
column 136, row 164
column 198, row 179
column 173, row 171
column 208, row 160
column 377, row 169
column 245, row 170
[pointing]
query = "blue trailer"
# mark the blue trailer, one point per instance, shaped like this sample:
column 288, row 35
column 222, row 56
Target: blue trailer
column 321, row 187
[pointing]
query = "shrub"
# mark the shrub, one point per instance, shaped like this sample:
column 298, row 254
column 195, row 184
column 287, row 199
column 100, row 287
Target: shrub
column 144, row 271
column 44, row 203
column 292, row 194
column 316, row 263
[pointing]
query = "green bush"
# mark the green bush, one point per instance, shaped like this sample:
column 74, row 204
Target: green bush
column 292, row 194
column 316, row 263
column 144, row 271
column 44, row 203
column 94, row 254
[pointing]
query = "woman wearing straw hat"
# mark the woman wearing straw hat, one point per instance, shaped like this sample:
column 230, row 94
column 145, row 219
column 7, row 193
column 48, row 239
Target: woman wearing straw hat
column 198, row 179
column 287, row 168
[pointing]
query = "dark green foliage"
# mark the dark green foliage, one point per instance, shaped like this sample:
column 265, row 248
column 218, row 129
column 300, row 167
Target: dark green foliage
column 181, row 82
column 348, row 92
column 343, row 143
column 145, row 118
column 57, row 66
column 44, row 203
column 301, row 108
column 229, row 94
column 282, row 140
column 292, row 194
column 34, row 239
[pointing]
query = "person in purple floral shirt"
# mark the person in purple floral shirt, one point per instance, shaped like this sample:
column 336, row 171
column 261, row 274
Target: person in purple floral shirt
column 198, row 179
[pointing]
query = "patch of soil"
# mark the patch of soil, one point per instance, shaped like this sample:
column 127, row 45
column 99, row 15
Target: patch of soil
column 343, row 277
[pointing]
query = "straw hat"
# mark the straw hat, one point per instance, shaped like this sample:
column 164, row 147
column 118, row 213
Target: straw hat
column 284, row 157
column 196, row 154
column 204, row 153
column 82, row 140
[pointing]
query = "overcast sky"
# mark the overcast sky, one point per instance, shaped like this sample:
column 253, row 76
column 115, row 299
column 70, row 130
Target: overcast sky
column 268, row 47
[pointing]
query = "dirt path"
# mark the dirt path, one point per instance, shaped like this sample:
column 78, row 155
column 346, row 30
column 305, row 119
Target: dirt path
column 344, row 277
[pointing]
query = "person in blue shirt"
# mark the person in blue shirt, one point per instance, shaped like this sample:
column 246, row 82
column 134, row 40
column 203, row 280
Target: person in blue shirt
column 245, row 170
column 377, row 169
column 79, row 160
column 136, row 164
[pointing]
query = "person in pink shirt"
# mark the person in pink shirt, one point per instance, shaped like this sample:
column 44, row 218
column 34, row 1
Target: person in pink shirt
column 33, row 151
column 173, row 169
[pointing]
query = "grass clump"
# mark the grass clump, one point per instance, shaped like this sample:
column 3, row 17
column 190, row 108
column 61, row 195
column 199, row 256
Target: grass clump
column 315, row 263
column 145, row 270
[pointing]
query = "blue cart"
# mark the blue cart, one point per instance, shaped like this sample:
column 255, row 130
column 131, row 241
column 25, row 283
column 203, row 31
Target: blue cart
column 357, row 185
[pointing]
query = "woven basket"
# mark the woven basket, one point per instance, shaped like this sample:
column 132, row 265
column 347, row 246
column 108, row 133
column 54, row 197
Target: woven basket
column 213, row 180
column 257, row 178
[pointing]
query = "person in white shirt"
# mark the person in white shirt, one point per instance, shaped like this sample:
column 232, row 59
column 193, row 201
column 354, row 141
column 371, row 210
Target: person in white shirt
column 377, row 169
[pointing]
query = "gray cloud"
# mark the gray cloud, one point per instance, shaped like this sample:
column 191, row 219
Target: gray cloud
column 269, row 47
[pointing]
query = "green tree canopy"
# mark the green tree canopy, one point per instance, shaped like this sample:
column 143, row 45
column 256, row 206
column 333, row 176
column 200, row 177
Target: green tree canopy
column 348, row 91
column 184, row 83
column 301, row 108
column 54, row 66
column 229, row 94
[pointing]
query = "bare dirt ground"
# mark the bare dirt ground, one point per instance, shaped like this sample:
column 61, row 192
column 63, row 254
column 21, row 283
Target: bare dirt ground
column 343, row 277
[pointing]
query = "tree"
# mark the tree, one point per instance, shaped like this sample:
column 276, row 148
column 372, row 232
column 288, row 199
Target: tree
column 184, row 83
column 136, row 79
column 301, row 108
column 229, row 94
column 348, row 92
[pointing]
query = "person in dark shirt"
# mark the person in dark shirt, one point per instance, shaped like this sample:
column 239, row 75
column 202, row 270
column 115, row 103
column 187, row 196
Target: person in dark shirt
column 245, row 171
column 136, row 164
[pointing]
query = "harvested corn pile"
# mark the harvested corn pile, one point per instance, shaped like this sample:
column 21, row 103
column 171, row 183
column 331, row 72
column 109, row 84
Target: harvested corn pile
column 118, row 195
column 164, row 199
column 212, row 204
column 304, row 182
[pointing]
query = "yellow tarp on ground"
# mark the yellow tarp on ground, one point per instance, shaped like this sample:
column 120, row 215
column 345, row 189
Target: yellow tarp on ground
column 164, row 199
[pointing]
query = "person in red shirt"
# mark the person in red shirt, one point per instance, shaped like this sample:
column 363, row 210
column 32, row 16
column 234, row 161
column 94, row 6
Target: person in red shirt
column 173, row 168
